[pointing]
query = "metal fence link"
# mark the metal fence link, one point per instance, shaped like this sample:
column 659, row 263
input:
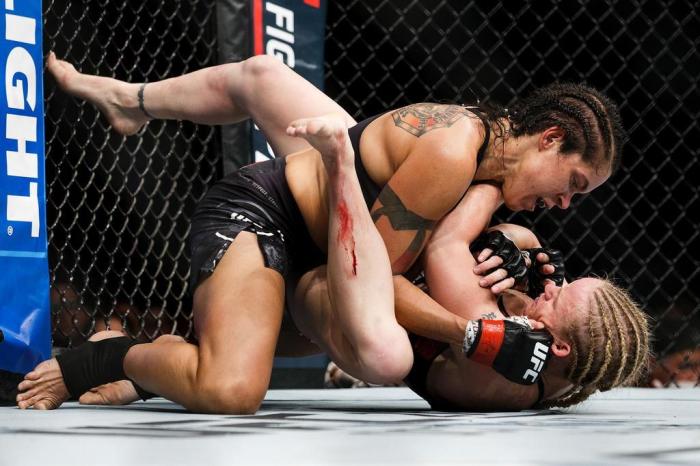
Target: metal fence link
column 118, row 208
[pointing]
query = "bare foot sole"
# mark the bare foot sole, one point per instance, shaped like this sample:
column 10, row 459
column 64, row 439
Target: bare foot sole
column 329, row 135
column 43, row 387
column 117, row 100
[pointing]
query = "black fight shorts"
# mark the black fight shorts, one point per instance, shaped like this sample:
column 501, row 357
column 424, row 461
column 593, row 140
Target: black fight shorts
column 238, row 203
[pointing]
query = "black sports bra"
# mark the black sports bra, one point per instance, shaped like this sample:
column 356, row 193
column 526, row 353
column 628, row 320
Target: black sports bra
column 370, row 190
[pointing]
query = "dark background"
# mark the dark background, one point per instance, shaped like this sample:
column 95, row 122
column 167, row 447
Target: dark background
column 119, row 208
column 640, row 228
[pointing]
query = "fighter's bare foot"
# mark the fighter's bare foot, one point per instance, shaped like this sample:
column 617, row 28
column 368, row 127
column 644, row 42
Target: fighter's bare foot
column 117, row 100
column 43, row 387
column 115, row 393
column 328, row 134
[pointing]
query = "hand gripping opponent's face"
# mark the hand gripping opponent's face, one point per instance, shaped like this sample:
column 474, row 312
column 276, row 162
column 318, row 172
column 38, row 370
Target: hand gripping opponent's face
column 542, row 176
column 562, row 308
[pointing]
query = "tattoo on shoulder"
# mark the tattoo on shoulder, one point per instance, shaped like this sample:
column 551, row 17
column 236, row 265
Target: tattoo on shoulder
column 418, row 119
column 490, row 315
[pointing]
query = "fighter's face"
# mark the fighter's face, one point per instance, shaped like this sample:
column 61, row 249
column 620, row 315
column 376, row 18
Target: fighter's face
column 544, row 177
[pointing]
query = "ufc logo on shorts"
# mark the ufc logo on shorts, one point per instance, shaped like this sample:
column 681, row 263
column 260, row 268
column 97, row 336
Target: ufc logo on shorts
column 539, row 355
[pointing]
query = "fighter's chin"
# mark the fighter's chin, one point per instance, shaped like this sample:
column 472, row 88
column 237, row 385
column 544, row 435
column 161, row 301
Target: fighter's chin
column 525, row 203
column 514, row 204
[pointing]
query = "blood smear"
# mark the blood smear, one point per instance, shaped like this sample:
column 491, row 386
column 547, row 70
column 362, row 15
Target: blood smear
column 345, row 233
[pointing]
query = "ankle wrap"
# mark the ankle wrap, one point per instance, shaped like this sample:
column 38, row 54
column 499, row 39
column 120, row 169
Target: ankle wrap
column 94, row 363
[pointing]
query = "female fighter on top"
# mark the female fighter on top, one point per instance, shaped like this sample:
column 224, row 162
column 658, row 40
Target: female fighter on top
column 266, row 225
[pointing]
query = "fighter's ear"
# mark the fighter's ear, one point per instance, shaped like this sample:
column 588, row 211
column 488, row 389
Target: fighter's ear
column 551, row 136
column 560, row 348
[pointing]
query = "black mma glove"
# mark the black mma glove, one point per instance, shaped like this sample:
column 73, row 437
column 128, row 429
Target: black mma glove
column 503, row 247
column 510, row 346
column 535, row 277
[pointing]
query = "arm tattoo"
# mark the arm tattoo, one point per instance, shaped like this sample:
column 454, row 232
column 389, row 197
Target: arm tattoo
column 401, row 218
column 418, row 119
column 489, row 315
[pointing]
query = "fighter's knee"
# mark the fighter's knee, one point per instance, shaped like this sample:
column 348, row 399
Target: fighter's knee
column 235, row 396
column 248, row 80
column 260, row 66
column 169, row 339
column 387, row 359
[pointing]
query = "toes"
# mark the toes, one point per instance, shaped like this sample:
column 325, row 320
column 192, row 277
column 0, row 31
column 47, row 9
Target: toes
column 93, row 397
column 296, row 129
column 299, row 123
column 27, row 394
column 23, row 405
column 33, row 375
column 44, row 405
column 30, row 402
column 26, row 385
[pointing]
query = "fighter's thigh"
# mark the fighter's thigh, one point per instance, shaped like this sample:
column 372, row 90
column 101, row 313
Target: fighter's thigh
column 276, row 95
column 238, row 312
column 312, row 310
column 383, row 355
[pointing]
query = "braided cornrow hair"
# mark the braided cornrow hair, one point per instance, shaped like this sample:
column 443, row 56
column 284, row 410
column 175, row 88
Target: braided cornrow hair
column 590, row 120
column 611, row 351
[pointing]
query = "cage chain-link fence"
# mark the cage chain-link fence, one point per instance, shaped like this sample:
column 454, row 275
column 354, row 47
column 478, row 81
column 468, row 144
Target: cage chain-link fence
column 641, row 228
column 118, row 208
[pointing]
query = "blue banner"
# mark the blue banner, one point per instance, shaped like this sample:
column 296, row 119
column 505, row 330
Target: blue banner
column 24, row 287
column 294, row 32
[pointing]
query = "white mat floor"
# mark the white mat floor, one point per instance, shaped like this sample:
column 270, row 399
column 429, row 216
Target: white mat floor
column 379, row 426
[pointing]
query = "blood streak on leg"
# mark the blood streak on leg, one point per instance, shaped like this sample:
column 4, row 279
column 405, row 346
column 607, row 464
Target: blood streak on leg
column 345, row 236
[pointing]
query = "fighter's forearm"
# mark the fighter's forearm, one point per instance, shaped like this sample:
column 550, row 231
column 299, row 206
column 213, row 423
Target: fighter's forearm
column 420, row 314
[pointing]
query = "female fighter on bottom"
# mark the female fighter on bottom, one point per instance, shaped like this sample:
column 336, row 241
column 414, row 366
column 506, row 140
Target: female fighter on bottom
column 600, row 337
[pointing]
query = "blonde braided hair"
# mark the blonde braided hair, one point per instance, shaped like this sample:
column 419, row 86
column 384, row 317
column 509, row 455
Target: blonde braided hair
column 611, row 351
